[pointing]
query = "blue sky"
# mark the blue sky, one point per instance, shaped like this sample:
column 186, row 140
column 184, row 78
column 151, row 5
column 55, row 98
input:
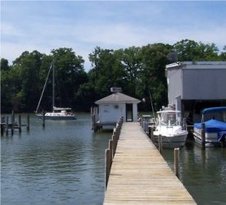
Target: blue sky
column 83, row 25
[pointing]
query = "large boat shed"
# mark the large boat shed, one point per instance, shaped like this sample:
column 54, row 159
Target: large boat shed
column 193, row 86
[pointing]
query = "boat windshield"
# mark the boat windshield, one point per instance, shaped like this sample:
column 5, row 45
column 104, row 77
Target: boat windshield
column 221, row 116
column 169, row 118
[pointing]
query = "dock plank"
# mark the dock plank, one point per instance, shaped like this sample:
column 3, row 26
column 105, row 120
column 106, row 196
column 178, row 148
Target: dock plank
column 140, row 175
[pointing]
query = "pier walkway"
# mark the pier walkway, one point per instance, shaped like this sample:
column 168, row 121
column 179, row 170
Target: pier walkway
column 140, row 175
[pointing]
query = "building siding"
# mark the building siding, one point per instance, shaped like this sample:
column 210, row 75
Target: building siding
column 204, row 84
column 174, row 81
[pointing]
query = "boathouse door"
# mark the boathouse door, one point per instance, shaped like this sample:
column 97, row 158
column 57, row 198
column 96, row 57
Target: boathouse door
column 129, row 112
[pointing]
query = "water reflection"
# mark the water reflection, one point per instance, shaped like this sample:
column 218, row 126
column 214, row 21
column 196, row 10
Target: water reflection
column 202, row 172
column 64, row 164
column 61, row 164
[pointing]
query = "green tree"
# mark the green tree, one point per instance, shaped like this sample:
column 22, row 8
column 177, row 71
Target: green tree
column 69, row 76
column 153, row 80
column 5, row 86
column 106, row 72
column 223, row 54
column 131, row 63
column 26, row 69
column 189, row 50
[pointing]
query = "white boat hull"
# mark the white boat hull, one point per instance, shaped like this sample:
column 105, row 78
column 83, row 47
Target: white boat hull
column 211, row 139
column 171, row 141
column 55, row 116
column 169, row 130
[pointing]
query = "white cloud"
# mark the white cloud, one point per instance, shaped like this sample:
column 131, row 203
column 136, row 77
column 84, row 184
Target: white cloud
column 108, row 25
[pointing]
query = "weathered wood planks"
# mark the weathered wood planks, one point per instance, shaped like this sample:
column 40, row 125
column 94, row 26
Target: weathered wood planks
column 140, row 175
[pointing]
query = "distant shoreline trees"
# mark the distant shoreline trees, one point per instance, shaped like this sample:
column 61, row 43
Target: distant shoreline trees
column 140, row 71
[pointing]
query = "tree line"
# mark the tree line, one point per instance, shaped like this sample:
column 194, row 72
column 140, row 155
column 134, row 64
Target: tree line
column 139, row 71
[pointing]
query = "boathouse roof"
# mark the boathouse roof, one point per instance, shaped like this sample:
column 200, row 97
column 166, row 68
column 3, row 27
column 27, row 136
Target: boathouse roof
column 117, row 98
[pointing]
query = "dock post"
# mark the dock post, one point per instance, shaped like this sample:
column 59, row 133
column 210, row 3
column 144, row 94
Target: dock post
column 7, row 125
column 160, row 143
column 111, row 150
column 28, row 122
column 43, row 119
column 2, row 129
column 107, row 166
column 176, row 161
column 113, row 145
column 12, row 122
column 19, row 120
column 203, row 136
column 150, row 132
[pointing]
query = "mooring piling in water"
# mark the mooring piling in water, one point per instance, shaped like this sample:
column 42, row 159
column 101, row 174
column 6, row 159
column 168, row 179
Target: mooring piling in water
column 160, row 143
column 28, row 122
column 176, row 161
column 9, row 124
column 203, row 136
column 43, row 119
column 19, row 123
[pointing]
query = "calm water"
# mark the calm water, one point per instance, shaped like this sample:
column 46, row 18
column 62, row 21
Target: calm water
column 202, row 172
column 64, row 164
column 61, row 164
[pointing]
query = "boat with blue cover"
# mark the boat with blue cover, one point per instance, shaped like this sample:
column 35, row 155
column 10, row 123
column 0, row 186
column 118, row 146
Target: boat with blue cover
column 214, row 123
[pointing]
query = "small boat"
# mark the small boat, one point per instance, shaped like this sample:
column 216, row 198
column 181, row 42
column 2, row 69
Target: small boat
column 169, row 128
column 58, row 113
column 214, row 121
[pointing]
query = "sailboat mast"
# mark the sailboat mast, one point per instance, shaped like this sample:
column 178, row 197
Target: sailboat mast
column 53, row 88
column 43, row 89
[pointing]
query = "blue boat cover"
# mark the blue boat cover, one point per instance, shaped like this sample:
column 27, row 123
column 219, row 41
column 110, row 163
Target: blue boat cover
column 212, row 126
column 213, row 109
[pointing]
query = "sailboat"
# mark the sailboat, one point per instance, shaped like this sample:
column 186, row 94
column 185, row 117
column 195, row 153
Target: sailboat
column 58, row 113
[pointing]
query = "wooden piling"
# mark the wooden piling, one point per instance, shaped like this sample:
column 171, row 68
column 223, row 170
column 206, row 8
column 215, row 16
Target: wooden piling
column 28, row 122
column 43, row 119
column 19, row 125
column 114, row 144
column 12, row 122
column 176, row 161
column 107, row 166
column 7, row 125
column 150, row 132
column 2, row 129
column 160, row 143
column 111, row 151
column 203, row 136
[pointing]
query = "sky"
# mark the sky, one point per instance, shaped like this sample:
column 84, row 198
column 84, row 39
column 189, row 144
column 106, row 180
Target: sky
column 84, row 25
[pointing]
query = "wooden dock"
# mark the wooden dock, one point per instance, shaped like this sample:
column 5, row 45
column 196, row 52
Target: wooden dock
column 140, row 175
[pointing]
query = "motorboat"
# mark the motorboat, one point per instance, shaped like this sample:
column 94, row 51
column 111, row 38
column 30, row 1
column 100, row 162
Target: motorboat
column 213, row 123
column 169, row 130
column 58, row 113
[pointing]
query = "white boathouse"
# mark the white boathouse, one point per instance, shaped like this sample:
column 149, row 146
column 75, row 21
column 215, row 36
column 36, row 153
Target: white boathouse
column 111, row 108
column 193, row 86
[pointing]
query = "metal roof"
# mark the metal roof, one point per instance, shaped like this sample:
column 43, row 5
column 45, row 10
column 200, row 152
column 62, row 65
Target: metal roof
column 117, row 98
column 198, row 65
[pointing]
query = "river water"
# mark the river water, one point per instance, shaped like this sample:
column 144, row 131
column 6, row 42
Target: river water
column 64, row 164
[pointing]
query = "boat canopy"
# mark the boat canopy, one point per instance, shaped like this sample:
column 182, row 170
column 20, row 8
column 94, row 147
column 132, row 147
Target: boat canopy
column 212, row 126
column 213, row 109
